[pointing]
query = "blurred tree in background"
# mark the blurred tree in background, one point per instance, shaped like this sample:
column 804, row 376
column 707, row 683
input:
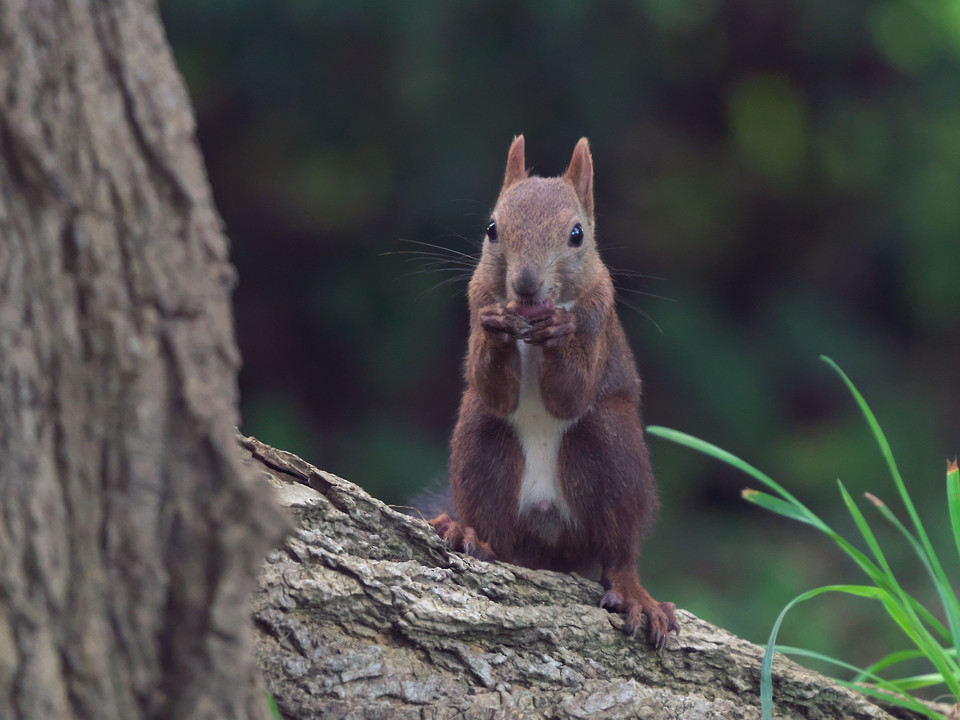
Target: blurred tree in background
column 790, row 170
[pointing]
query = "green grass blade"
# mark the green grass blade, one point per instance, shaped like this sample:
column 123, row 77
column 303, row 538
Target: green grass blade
column 897, row 688
column 766, row 667
column 901, row 700
column 895, row 473
column 953, row 501
column 895, row 659
column 889, row 661
column 906, row 613
column 803, row 514
column 867, row 534
column 866, row 564
column 912, row 617
column 776, row 505
column 913, row 611
column 916, row 682
column 949, row 601
column 713, row 451
column 879, row 437
column 903, row 612
column 893, row 608
column 272, row 704
column 931, row 621
column 909, row 623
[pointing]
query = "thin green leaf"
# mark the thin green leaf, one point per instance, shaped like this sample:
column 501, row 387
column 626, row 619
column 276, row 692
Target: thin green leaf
column 907, row 620
column 912, row 617
column 865, row 564
column 895, row 473
column 915, row 682
column 879, row 437
column 896, row 688
column 872, row 571
column 953, row 499
column 886, row 697
column 930, row 620
column 889, row 661
column 766, row 668
column 906, row 610
column 776, row 505
column 821, row 657
column 890, row 603
column 272, row 704
column 945, row 592
column 866, row 532
column 713, row 451
column 908, row 623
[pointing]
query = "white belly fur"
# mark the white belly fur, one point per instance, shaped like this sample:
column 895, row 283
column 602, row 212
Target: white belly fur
column 540, row 435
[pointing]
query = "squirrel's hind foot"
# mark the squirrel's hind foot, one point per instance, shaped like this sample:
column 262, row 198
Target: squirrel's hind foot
column 661, row 618
column 461, row 539
column 627, row 596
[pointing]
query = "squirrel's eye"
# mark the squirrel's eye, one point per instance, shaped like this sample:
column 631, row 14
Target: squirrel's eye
column 576, row 235
column 492, row 231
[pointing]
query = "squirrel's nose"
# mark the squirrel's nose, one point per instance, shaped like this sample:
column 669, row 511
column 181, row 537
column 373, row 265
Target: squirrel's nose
column 527, row 284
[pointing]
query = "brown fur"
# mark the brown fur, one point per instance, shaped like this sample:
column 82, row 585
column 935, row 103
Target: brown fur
column 587, row 375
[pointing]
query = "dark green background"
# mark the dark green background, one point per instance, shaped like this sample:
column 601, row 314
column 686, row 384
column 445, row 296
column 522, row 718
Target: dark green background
column 790, row 169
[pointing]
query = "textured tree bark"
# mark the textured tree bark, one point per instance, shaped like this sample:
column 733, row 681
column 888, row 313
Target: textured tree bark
column 129, row 530
column 364, row 613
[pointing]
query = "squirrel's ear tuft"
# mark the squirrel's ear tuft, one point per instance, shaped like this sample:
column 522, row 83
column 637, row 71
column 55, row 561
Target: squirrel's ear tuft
column 580, row 173
column 516, row 164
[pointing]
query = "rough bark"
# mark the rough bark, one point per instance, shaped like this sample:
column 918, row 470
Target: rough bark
column 129, row 530
column 363, row 613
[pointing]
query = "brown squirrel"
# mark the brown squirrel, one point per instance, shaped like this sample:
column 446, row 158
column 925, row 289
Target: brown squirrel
column 548, row 464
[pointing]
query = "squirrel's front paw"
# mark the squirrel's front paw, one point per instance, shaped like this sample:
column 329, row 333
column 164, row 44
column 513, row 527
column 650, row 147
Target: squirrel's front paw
column 553, row 328
column 501, row 324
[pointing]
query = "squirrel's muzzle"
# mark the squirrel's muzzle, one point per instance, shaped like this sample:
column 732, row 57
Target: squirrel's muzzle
column 527, row 285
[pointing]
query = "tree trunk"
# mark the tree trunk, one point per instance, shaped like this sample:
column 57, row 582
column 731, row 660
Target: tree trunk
column 364, row 613
column 129, row 529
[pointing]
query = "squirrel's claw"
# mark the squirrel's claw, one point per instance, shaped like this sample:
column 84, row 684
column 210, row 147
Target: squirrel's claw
column 661, row 621
column 612, row 601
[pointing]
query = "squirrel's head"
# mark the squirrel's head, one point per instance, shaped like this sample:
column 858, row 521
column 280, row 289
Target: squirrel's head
column 540, row 246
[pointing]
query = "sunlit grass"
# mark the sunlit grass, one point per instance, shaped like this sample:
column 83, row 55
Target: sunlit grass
column 928, row 637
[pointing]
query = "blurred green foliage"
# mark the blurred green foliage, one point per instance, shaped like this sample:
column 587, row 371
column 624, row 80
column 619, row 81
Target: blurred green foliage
column 790, row 169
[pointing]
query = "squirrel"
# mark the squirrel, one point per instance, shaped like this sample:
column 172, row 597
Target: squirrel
column 548, row 463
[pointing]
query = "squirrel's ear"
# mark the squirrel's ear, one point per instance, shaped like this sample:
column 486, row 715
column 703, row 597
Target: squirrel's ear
column 516, row 165
column 580, row 173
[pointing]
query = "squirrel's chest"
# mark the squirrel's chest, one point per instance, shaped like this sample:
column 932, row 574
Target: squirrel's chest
column 540, row 435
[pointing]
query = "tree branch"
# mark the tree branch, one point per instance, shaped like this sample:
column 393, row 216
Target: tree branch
column 363, row 612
